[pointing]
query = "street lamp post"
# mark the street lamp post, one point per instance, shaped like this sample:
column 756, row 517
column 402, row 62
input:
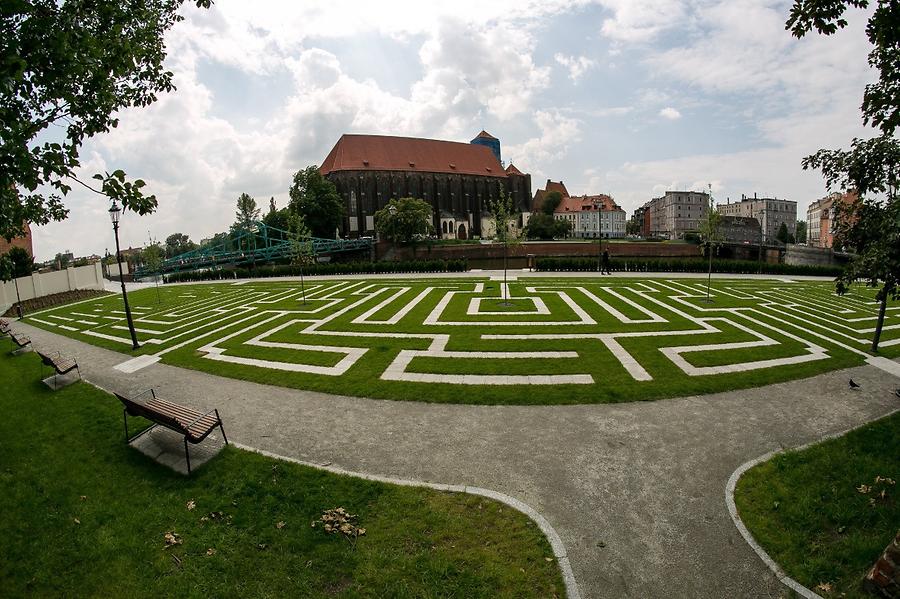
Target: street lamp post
column 114, row 213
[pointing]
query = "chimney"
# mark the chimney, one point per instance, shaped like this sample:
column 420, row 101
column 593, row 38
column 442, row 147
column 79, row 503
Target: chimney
column 754, row 195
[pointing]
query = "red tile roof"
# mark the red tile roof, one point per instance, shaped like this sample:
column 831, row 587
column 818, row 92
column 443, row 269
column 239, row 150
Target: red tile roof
column 554, row 186
column 388, row 153
column 512, row 170
column 584, row 203
column 485, row 134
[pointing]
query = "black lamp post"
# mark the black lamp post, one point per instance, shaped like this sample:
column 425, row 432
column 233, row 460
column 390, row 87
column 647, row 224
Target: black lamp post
column 114, row 214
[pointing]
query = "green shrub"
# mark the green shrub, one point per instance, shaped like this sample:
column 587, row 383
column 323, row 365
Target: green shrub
column 324, row 268
column 585, row 264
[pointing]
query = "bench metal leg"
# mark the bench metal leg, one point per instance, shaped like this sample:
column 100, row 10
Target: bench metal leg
column 187, row 456
column 221, row 428
column 125, row 418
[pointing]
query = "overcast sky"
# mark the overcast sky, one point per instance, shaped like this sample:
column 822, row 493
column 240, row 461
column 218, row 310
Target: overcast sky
column 625, row 97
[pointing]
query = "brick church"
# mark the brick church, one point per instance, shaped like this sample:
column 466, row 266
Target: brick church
column 458, row 179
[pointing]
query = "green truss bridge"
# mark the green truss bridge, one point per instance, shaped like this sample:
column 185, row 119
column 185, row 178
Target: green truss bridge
column 260, row 245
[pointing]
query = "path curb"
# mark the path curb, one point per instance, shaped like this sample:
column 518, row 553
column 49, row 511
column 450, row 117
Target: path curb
column 559, row 550
column 735, row 517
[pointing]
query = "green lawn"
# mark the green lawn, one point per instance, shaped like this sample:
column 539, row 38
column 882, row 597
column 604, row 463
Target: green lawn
column 268, row 322
column 83, row 515
column 807, row 510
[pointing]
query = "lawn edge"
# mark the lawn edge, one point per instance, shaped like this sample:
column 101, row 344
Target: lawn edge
column 731, row 486
column 556, row 544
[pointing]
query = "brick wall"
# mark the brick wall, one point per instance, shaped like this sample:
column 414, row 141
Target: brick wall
column 22, row 242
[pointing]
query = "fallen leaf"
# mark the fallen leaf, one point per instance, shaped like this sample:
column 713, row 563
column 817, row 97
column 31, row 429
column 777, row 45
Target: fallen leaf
column 863, row 488
column 825, row 587
column 172, row 539
column 549, row 559
column 280, row 525
column 77, row 521
column 210, row 551
column 191, row 505
column 83, row 497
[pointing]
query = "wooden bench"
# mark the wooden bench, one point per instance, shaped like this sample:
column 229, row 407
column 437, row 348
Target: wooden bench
column 5, row 329
column 19, row 339
column 59, row 364
column 193, row 424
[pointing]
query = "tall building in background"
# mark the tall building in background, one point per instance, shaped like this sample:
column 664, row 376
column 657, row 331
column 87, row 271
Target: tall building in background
column 673, row 214
column 458, row 180
column 770, row 212
column 821, row 216
column 24, row 242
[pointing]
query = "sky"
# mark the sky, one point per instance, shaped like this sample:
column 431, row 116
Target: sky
column 625, row 97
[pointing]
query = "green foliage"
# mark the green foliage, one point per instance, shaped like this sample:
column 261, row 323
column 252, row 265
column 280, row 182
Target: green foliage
column 300, row 239
column 551, row 202
column 179, row 243
column 324, row 268
column 502, row 216
column 6, row 268
column 73, row 65
column 316, row 199
column 782, row 235
column 74, row 491
column 710, row 229
column 545, row 226
column 811, row 513
column 404, row 220
column 632, row 227
column 800, row 231
column 586, row 264
column 152, row 256
column 247, row 212
column 61, row 260
column 279, row 219
column 22, row 263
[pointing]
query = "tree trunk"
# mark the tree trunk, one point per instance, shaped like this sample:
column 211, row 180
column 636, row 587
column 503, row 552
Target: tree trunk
column 878, row 326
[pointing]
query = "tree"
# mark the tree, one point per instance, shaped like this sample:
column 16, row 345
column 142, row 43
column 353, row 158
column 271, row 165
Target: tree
column 61, row 260
column 247, row 212
column 405, row 220
column 783, row 236
column 503, row 215
column 871, row 224
column 302, row 250
column 22, row 263
column 178, row 243
column 711, row 235
column 279, row 219
column 800, row 231
column 316, row 199
column 73, row 65
column 152, row 256
column 545, row 226
column 632, row 227
column 551, row 202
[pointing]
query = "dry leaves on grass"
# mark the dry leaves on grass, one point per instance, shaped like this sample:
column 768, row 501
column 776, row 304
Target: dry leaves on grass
column 825, row 587
column 210, row 551
column 191, row 505
column 340, row 521
column 280, row 525
column 172, row 539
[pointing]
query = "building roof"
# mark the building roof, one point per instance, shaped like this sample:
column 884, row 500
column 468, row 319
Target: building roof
column 410, row 154
column 512, row 170
column 485, row 134
column 586, row 203
column 554, row 186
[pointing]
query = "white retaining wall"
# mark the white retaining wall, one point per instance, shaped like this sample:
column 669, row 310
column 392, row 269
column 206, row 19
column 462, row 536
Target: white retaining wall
column 39, row 285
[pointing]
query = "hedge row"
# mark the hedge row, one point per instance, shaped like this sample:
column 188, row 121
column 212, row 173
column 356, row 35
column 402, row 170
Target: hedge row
column 325, row 268
column 684, row 265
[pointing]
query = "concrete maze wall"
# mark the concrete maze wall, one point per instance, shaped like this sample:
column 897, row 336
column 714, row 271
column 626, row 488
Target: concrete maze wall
column 456, row 340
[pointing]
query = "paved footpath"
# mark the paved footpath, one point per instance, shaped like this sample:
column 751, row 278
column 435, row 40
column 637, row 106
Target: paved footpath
column 636, row 491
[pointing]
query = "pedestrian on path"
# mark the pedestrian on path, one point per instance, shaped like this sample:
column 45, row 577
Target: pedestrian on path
column 604, row 263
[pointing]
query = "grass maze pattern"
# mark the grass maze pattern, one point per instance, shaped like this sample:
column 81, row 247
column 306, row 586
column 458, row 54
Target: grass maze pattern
column 536, row 340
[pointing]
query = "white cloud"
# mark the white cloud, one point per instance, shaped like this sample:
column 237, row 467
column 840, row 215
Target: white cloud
column 577, row 65
column 641, row 20
column 670, row 113
column 557, row 134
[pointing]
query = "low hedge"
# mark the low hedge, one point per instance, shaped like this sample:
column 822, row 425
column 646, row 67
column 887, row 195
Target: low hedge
column 324, row 268
column 580, row 264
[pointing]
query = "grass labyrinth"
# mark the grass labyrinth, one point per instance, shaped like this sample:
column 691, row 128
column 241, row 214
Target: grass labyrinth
column 552, row 341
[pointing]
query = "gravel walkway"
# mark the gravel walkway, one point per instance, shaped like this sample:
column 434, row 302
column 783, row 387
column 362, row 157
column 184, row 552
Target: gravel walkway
column 636, row 491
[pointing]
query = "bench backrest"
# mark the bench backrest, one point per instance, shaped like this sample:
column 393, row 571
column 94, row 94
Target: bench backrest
column 136, row 408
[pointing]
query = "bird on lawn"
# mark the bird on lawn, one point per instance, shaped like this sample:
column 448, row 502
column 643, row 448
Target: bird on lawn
column 854, row 384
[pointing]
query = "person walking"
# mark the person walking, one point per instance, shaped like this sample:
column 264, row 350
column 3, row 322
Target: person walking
column 604, row 263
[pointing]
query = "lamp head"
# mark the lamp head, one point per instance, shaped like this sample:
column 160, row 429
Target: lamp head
column 114, row 213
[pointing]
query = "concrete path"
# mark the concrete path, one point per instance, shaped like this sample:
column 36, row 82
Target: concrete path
column 636, row 491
